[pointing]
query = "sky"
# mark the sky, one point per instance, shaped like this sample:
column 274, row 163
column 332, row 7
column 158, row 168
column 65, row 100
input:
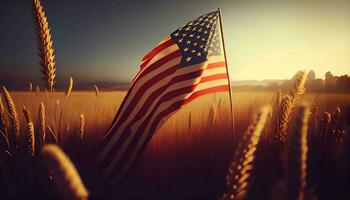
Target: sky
column 105, row 40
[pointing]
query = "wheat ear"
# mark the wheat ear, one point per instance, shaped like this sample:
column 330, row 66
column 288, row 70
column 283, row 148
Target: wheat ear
column 14, row 138
column 28, row 140
column 82, row 126
column 296, row 167
column 237, row 179
column 4, row 142
column 70, row 87
column 66, row 177
column 2, row 118
column 46, row 51
column 96, row 91
column 41, row 137
column 286, row 106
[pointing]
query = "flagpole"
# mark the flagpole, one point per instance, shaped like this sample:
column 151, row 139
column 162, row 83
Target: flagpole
column 228, row 77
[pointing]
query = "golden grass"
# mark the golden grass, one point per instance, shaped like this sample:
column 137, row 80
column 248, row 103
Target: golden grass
column 196, row 140
column 46, row 51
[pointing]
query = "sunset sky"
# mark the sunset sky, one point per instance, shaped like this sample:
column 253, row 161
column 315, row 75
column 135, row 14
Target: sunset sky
column 105, row 40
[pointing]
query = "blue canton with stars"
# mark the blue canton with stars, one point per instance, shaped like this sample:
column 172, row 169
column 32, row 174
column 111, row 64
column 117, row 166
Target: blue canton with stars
column 198, row 39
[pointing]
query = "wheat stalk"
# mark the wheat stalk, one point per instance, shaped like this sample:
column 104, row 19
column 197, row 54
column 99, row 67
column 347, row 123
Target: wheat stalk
column 336, row 119
column 97, row 91
column 296, row 167
column 66, row 177
column 41, row 136
column 37, row 90
column 70, row 87
column 286, row 106
column 30, row 86
column 82, row 126
column 325, row 127
column 14, row 138
column 46, row 51
column 237, row 179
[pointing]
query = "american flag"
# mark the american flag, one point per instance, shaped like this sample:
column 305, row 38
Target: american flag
column 187, row 64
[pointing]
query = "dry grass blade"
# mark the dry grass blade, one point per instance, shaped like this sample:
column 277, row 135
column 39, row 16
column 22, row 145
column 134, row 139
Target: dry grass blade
column 66, row 177
column 13, row 138
column 296, row 167
column 51, row 136
column 46, row 51
column 286, row 106
column 70, row 87
column 41, row 125
column 82, row 126
column 96, row 91
column 242, row 165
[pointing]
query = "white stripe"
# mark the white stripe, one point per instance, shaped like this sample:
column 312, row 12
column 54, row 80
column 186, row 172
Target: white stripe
column 161, row 108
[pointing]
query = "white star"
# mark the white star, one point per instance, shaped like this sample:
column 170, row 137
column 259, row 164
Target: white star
column 188, row 59
column 188, row 42
column 184, row 35
column 180, row 40
column 199, row 54
column 185, row 49
column 193, row 51
column 176, row 34
column 191, row 35
column 195, row 44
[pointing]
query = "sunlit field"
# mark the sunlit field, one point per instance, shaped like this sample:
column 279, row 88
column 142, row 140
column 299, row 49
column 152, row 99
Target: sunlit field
column 188, row 157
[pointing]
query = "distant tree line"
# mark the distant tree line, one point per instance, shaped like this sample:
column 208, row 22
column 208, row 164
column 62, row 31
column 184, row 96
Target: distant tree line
column 330, row 83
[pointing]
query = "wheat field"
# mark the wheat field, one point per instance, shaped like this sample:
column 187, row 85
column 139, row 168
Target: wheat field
column 188, row 157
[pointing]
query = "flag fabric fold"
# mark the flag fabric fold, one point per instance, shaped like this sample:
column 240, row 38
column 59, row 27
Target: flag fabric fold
column 187, row 64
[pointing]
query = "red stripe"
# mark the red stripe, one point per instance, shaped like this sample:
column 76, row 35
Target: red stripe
column 214, row 77
column 144, row 109
column 215, row 65
column 158, row 49
column 170, row 110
